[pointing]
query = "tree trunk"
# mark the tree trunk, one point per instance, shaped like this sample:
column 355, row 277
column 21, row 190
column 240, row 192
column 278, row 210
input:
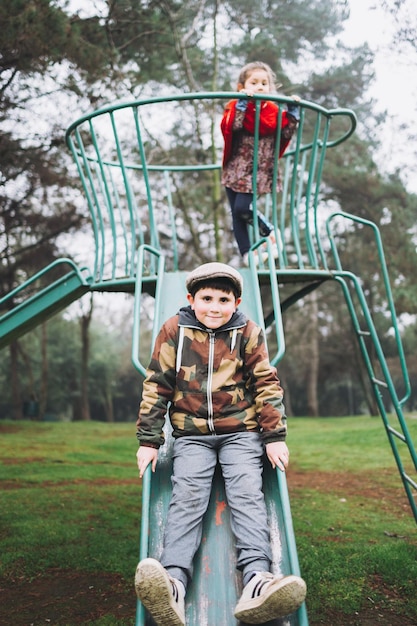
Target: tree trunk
column 44, row 376
column 85, row 355
column 313, row 358
column 17, row 404
column 108, row 406
column 287, row 395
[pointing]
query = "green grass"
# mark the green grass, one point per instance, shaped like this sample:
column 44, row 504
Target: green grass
column 337, row 444
column 70, row 499
column 70, row 488
column 356, row 538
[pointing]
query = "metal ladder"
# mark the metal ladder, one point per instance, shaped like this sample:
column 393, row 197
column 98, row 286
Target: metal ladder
column 364, row 328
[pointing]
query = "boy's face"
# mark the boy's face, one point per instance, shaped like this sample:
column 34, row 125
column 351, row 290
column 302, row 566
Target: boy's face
column 213, row 307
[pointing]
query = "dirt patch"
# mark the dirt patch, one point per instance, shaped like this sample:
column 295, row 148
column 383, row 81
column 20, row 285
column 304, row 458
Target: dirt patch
column 18, row 483
column 366, row 617
column 9, row 429
column 373, row 613
column 369, row 486
column 65, row 598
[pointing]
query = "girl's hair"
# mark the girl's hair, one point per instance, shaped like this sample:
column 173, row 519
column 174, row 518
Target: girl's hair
column 247, row 70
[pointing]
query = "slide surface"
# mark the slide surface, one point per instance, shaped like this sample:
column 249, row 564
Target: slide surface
column 216, row 585
column 42, row 304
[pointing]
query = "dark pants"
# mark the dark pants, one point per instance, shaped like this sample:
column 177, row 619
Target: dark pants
column 242, row 215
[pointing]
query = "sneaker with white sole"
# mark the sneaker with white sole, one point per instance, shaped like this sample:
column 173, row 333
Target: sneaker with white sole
column 267, row 597
column 274, row 249
column 159, row 593
column 245, row 259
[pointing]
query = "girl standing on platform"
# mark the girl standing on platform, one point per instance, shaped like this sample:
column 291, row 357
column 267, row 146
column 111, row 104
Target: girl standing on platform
column 238, row 128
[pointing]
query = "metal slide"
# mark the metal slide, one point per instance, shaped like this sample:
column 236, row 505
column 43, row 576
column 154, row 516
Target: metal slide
column 216, row 586
column 33, row 309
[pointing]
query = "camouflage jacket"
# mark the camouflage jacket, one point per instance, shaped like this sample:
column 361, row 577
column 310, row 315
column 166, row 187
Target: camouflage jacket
column 211, row 382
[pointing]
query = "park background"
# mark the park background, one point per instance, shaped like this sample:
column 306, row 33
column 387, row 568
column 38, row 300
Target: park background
column 60, row 60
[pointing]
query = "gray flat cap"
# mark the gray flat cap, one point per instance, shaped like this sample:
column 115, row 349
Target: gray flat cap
column 214, row 270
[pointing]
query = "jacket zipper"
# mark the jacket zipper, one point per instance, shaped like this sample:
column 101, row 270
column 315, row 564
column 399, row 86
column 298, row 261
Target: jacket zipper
column 210, row 420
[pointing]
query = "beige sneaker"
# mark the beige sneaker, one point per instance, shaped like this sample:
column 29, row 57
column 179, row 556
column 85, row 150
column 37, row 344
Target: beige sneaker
column 245, row 259
column 159, row 593
column 274, row 248
column 267, row 597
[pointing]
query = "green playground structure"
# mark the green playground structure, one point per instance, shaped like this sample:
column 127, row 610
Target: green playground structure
column 131, row 181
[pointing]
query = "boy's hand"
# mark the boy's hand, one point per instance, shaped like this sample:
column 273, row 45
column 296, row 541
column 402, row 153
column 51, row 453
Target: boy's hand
column 278, row 454
column 146, row 455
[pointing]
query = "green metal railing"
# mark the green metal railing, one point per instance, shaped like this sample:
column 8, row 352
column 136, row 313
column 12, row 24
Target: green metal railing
column 364, row 327
column 130, row 195
column 133, row 197
column 158, row 261
column 386, row 283
column 398, row 432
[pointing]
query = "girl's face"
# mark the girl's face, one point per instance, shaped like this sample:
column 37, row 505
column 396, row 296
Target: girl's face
column 256, row 82
column 213, row 307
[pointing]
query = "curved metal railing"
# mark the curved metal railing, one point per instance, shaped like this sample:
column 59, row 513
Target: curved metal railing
column 133, row 176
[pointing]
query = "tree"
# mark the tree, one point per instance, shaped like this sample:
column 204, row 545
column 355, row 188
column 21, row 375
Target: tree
column 47, row 57
column 126, row 48
column 35, row 38
column 85, row 322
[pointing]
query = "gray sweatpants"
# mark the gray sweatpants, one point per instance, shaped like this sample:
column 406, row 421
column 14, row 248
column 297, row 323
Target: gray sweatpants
column 194, row 461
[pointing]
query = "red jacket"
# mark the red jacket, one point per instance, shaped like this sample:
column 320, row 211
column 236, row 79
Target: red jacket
column 267, row 124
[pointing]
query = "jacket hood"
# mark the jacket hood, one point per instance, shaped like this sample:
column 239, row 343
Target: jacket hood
column 187, row 318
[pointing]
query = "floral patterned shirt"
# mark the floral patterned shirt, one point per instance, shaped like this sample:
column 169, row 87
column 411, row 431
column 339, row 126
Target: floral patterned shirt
column 238, row 171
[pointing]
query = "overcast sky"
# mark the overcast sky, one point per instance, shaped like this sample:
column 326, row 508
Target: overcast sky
column 396, row 86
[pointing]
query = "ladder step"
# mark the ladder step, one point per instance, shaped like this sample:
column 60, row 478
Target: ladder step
column 395, row 432
column 381, row 383
column 365, row 333
column 410, row 480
